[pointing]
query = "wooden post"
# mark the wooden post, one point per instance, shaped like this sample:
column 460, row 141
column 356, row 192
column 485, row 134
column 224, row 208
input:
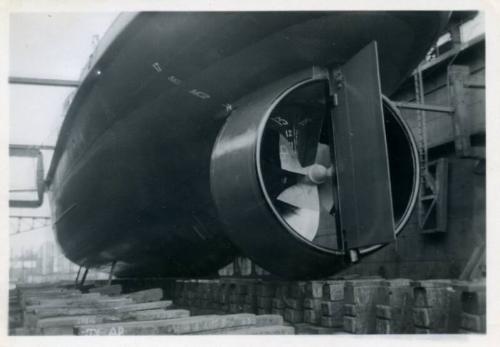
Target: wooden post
column 458, row 76
column 77, row 276
column 111, row 272
column 455, row 34
column 84, row 277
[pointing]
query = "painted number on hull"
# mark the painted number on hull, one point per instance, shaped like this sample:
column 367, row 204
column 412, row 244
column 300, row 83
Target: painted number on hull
column 199, row 94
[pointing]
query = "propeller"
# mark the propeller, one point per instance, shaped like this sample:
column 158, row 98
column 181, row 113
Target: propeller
column 312, row 196
column 314, row 188
column 307, row 204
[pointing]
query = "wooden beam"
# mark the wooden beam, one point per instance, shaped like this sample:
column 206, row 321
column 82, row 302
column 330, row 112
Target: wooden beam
column 458, row 75
column 31, row 147
column 425, row 107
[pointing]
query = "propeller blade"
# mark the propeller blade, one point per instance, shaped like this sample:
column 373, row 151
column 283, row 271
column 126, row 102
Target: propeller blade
column 289, row 159
column 304, row 221
column 325, row 192
column 308, row 134
column 302, row 195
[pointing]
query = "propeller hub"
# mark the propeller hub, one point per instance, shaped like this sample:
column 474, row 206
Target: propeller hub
column 318, row 173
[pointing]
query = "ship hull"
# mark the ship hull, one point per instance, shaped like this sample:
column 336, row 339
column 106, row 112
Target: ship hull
column 130, row 179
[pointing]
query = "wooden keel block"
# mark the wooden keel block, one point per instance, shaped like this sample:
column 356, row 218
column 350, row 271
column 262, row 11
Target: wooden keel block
column 278, row 311
column 312, row 316
column 294, row 316
column 312, row 304
column 260, row 330
column 262, row 311
column 148, row 295
column 333, row 291
column 65, row 300
column 169, row 326
column 332, row 308
column 278, row 303
column 383, row 326
column 68, row 321
column 296, row 304
column 435, row 319
column 362, row 295
column 314, row 289
column 473, row 323
column 158, row 314
column 430, row 297
column 266, row 289
column 308, row 329
column 474, row 302
column 384, row 311
column 115, row 289
column 268, row 319
column 46, row 312
column 298, row 290
column 264, row 302
column 332, row 322
column 145, row 306
column 397, row 292
column 58, row 331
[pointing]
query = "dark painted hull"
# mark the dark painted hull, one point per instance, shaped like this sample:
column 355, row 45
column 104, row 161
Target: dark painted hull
column 130, row 177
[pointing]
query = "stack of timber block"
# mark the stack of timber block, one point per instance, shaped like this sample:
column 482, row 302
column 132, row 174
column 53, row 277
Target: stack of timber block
column 265, row 294
column 332, row 306
column 360, row 306
column 58, row 310
column 213, row 296
column 199, row 295
column 225, row 295
column 473, row 307
column 232, row 324
column 63, row 311
column 238, row 292
column 323, row 305
column 250, row 298
column 192, row 293
column 201, row 301
column 312, row 302
column 294, row 302
column 394, row 311
column 432, row 305
column 224, row 291
column 179, row 291
column 15, row 311
column 278, row 301
column 360, row 301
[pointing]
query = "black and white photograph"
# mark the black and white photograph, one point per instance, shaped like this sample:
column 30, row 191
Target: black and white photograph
column 247, row 172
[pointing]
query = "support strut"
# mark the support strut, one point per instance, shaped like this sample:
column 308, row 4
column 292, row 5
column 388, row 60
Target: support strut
column 82, row 282
column 78, row 276
column 111, row 272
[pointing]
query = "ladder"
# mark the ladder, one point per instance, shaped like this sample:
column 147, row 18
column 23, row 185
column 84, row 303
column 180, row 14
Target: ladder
column 433, row 183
